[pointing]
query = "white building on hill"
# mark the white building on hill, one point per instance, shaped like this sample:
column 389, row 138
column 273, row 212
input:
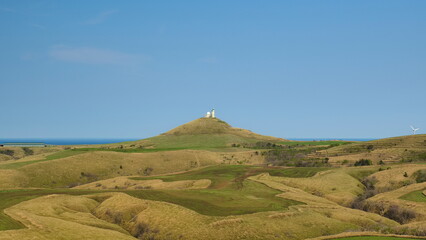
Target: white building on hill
column 210, row 114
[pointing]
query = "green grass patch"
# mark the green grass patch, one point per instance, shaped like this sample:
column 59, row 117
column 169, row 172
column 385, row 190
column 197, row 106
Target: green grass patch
column 374, row 238
column 297, row 172
column 362, row 172
column 416, row 196
column 226, row 175
column 251, row 197
column 57, row 155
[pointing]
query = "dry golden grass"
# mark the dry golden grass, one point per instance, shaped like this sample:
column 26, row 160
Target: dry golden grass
column 19, row 153
column 389, row 150
column 60, row 215
column 335, row 185
column 126, row 183
column 394, row 178
column 358, row 234
column 10, row 178
column 393, row 198
column 92, row 166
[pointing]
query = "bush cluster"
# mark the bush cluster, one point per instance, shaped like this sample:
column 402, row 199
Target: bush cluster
column 28, row 151
column 7, row 152
column 363, row 162
column 420, row 176
column 293, row 157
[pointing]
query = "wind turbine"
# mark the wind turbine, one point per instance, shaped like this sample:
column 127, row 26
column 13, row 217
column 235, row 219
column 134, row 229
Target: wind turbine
column 414, row 129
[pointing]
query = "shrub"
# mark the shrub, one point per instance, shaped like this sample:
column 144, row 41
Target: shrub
column 393, row 212
column 90, row 176
column 148, row 171
column 7, row 152
column 363, row 162
column 28, row 151
column 420, row 176
column 144, row 231
column 398, row 214
column 74, row 184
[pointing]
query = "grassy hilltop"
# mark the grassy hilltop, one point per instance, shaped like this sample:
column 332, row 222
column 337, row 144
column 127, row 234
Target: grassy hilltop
column 202, row 133
column 206, row 179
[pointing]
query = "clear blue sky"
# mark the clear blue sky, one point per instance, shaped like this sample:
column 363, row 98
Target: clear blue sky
column 134, row 69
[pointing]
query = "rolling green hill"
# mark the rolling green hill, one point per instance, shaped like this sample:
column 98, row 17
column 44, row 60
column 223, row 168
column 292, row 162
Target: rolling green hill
column 202, row 133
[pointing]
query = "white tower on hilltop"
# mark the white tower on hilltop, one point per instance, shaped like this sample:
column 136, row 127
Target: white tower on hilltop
column 210, row 114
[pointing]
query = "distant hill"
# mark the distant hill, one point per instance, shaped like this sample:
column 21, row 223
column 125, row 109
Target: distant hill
column 216, row 126
column 411, row 148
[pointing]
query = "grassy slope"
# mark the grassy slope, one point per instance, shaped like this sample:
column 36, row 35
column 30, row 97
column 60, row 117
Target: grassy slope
column 416, row 196
column 202, row 133
column 395, row 149
column 57, row 155
column 9, row 198
column 231, row 194
column 375, row 238
column 61, row 217
column 61, row 214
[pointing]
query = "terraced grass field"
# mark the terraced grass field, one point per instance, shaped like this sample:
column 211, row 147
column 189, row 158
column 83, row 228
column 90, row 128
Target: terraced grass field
column 223, row 175
column 229, row 194
column 416, row 196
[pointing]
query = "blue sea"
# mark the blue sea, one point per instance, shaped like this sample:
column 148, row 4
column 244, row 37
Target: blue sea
column 85, row 141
